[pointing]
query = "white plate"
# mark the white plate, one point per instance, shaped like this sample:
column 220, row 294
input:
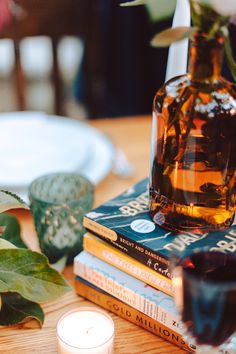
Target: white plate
column 34, row 143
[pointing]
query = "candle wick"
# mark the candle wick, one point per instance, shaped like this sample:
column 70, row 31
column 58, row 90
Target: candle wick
column 89, row 329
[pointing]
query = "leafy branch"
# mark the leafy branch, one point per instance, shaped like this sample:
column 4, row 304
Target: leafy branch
column 26, row 277
column 157, row 10
column 133, row 3
column 207, row 18
column 9, row 200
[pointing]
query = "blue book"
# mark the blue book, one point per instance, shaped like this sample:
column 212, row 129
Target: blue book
column 125, row 222
column 152, row 302
column 108, row 280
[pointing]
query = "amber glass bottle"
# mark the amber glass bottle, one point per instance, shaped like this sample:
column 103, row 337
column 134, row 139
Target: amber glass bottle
column 193, row 154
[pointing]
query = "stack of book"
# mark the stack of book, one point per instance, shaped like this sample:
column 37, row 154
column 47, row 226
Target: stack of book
column 125, row 263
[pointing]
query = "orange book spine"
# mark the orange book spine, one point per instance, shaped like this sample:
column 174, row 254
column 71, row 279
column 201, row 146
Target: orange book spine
column 124, row 262
column 127, row 312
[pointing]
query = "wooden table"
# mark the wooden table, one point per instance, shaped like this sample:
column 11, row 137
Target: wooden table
column 133, row 136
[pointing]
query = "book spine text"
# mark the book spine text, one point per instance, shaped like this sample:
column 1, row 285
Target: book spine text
column 125, row 311
column 122, row 261
column 139, row 301
column 144, row 255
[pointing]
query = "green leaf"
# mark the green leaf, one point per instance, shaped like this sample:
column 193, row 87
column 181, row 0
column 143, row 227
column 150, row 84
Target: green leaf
column 170, row 35
column 229, row 53
column 206, row 19
column 160, row 10
column 12, row 230
column 29, row 274
column 4, row 244
column 16, row 309
column 133, row 3
column 10, row 200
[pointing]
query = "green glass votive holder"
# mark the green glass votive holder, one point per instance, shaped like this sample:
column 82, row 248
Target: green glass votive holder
column 58, row 203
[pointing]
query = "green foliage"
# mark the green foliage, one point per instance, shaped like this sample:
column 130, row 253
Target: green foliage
column 16, row 309
column 28, row 273
column 229, row 53
column 4, row 244
column 26, row 278
column 12, row 230
column 205, row 18
column 10, row 200
column 158, row 10
column 133, row 3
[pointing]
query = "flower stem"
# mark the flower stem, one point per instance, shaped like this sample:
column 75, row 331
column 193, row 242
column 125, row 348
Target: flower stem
column 229, row 53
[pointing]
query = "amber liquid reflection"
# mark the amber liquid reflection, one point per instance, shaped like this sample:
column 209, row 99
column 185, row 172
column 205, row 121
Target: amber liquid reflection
column 193, row 178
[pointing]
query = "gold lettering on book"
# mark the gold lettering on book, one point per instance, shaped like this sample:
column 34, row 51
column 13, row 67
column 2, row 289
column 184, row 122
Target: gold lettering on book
column 115, row 308
column 129, row 313
column 157, row 328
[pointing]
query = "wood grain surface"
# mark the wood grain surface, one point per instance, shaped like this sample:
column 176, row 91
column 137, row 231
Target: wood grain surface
column 132, row 135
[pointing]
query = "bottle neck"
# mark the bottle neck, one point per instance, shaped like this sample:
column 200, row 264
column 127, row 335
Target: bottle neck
column 205, row 58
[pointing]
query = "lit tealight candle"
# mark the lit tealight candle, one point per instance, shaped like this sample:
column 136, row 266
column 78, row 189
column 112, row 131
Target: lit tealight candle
column 86, row 330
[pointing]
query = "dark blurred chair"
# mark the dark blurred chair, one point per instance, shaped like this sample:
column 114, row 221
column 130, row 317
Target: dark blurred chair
column 55, row 19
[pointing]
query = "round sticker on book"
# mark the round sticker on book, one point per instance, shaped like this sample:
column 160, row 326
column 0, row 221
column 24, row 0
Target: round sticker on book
column 142, row 226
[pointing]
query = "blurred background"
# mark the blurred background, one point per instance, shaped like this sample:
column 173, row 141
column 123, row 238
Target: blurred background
column 81, row 58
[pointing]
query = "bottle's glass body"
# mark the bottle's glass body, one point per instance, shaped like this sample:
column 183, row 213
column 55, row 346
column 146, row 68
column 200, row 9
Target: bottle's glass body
column 193, row 154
